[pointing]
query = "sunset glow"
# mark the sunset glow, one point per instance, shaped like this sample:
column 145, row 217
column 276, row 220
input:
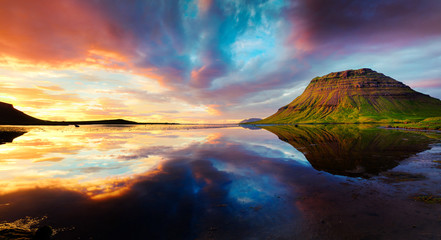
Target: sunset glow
column 202, row 60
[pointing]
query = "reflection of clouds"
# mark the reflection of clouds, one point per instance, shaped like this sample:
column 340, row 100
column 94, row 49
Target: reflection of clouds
column 145, row 152
column 77, row 160
column 93, row 157
column 84, row 160
column 188, row 194
column 95, row 169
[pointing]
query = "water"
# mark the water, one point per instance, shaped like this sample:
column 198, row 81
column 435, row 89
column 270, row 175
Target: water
column 221, row 182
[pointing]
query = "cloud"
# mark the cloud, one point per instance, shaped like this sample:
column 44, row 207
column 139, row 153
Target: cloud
column 38, row 94
column 342, row 23
column 181, row 45
column 51, row 88
column 144, row 95
column 50, row 159
column 209, row 54
column 56, row 32
column 432, row 83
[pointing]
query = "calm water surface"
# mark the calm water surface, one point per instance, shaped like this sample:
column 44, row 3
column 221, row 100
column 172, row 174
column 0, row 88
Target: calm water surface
column 221, row 182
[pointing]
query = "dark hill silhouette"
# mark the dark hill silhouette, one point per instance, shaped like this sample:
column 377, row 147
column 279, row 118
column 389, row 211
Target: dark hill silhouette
column 11, row 116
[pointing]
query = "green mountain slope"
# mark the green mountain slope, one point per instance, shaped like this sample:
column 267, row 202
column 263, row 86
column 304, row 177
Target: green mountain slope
column 357, row 96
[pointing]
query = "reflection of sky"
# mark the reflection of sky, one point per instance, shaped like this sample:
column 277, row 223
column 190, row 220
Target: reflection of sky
column 269, row 146
column 96, row 158
column 88, row 155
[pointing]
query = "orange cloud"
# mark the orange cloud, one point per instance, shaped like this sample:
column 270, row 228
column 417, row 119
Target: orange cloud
column 213, row 109
column 50, row 159
column 36, row 101
column 51, row 88
column 57, row 32
column 38, row 95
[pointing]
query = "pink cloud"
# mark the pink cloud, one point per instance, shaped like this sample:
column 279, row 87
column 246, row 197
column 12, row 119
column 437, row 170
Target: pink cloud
column 202, row 77
column 432, row 83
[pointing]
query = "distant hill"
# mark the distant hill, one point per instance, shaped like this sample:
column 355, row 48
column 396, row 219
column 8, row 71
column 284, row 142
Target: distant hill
column 250, row 120
column 11, row 116
column 357, row 96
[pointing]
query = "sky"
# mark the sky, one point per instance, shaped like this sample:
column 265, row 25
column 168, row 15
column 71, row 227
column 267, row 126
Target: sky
column 203, row 61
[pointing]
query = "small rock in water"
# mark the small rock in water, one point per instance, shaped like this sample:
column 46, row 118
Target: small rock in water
column 43, row 233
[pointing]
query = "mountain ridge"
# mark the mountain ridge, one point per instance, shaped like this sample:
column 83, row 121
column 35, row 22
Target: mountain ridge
column 356, row 96
column 11, row 116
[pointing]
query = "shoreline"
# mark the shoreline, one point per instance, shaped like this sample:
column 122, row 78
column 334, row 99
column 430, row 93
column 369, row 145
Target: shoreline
column 435, row 128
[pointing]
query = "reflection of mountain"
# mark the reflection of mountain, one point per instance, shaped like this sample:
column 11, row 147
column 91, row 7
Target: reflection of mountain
column 9, row 136
column 351, row 150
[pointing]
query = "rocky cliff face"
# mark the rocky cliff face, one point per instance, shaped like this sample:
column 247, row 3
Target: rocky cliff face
column 361, row 95
column 353, row 83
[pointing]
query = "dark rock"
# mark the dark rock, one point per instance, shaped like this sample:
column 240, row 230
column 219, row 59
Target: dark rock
column 43, row 233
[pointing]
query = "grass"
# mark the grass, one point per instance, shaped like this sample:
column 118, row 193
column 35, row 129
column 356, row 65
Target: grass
column 433, row 123
column 405, row 114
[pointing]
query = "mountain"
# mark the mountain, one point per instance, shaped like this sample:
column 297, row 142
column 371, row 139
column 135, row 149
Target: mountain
column 357, row 96
column 250, row 120
column 11, row 116
column 352, row 150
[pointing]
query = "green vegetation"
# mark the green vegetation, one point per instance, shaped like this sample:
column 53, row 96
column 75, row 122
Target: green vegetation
column 426, row 124
column 427, row 199
column 359, row 96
